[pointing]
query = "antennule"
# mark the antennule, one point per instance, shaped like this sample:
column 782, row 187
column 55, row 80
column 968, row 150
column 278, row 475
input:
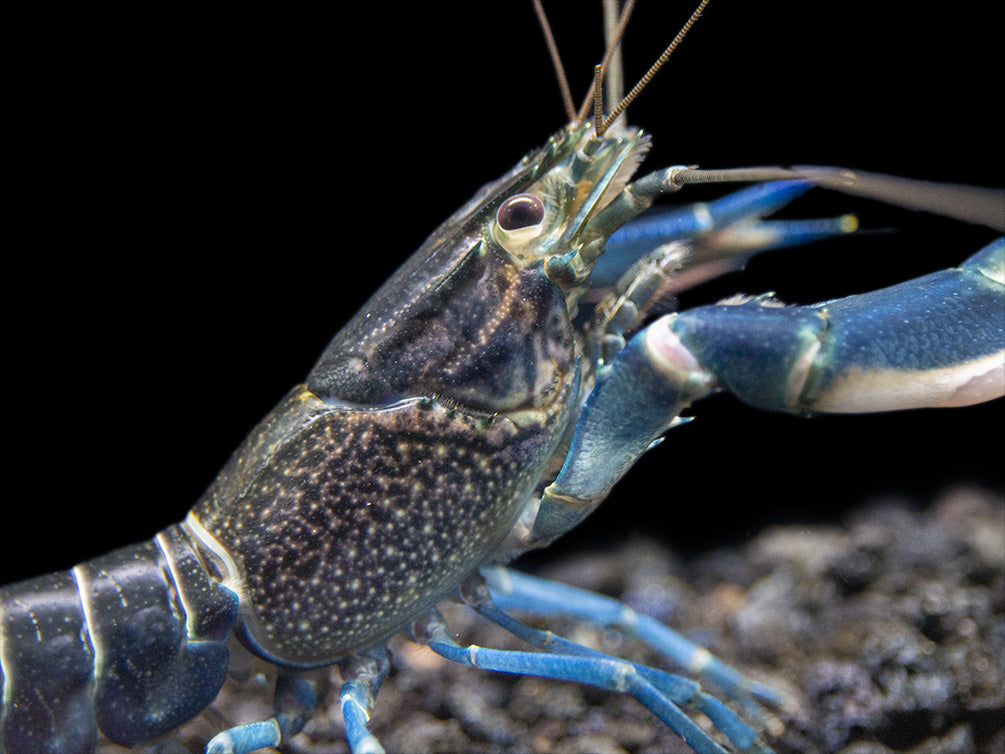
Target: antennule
column 614, row 35
column 598, row 98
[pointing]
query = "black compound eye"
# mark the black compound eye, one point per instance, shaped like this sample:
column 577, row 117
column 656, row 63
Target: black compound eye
column 520, row 211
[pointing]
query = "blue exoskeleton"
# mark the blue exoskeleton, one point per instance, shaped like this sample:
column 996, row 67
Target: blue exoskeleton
column 475, row 408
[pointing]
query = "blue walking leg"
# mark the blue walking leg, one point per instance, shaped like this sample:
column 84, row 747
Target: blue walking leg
column 603, row 671
column 681, row 691
column 297, row 697
column 363, row 675
column 512, row 590
column 242, row 739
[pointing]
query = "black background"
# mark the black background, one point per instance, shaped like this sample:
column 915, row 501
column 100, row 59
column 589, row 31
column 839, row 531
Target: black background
column 203, row 199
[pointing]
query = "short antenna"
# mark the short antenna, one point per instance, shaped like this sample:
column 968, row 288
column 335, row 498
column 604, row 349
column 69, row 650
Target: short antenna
column 610, row 67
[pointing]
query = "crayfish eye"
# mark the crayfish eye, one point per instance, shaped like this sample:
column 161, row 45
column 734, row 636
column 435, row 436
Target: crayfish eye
column 520, row 211
column 519, row 226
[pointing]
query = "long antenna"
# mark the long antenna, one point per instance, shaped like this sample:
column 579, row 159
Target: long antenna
column 620, row 107
column 610, row 64
column 556, row 61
